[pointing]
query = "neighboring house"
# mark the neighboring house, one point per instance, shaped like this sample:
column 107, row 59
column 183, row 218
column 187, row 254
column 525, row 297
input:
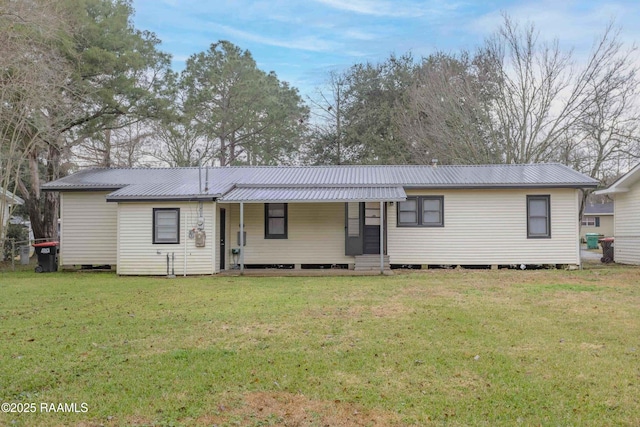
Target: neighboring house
column 320, row 217
column 597, row 218
column 626, row 229
column 7, row 201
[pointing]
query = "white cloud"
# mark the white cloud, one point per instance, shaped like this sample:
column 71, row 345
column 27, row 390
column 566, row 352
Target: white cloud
column 359, row 35
column 374, row 7
column 572, row 23
column 308, row 43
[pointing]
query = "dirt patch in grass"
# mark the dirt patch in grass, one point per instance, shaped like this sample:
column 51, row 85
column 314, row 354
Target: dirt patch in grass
column 390, row 310
column 292, row 410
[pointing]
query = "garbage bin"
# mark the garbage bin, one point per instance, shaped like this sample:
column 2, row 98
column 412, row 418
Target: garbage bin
column 24, row 255
column 592, row 240
column 47, row 256
column 607, row 249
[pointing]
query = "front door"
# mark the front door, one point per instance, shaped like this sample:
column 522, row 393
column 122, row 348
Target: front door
column 372, row 228
column 354, row 228
column 223, row 233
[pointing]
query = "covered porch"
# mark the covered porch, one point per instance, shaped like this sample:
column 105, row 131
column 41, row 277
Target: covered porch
column 302, row 229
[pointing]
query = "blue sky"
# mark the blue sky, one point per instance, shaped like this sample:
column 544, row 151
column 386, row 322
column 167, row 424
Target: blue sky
column 303, row 40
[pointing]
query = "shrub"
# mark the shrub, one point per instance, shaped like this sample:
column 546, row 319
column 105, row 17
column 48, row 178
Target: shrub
column 14, row 232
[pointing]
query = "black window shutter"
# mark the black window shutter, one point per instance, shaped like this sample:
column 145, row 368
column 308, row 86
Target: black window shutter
column 597, row 221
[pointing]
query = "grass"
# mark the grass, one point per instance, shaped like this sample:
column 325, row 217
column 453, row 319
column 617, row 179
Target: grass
column 429, row 348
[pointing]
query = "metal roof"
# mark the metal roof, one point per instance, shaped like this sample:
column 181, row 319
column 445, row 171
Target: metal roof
column 162, row 191
column 599, row 209
column 315, row 194
column 182, row 183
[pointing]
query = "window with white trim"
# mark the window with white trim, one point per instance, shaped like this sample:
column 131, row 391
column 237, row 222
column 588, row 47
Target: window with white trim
column 591, row 221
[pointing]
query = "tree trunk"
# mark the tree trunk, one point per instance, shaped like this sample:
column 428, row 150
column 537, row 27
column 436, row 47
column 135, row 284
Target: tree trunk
column 42, row 206
column 106, row 161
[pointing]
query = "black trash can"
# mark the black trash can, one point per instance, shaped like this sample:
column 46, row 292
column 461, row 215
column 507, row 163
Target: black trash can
column 47, row 256
column 607, row 250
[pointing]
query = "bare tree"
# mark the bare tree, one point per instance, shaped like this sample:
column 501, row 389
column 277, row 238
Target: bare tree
column 609, row 129
column 532, row 78
column 447, row 111
column 542, row 94
column 90, row 68
column 327, row 133
column 33, row 76
column 124, row 146
column 179, row 145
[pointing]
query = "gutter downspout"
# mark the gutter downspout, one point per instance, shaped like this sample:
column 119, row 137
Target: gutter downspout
column 579, row 225
column 382, row 219
column 214, row 241
column 186, row 239
column 241, row 238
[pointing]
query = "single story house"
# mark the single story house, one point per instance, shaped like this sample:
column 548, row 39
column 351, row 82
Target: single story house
column 625, row 193
column 597, row 218
column 358, row 217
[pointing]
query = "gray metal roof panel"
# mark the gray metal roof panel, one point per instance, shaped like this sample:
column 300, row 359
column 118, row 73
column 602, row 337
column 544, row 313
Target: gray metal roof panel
column 599, row 209
column 188, row 190
column 154, row 183
column 420, row 175
column 314, row 194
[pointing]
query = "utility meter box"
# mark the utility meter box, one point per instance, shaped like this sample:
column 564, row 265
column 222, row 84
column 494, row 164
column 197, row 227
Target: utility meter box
column 201, row 238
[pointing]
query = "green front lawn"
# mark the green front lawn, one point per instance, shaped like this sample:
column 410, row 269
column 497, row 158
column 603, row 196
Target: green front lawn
column 437, row 347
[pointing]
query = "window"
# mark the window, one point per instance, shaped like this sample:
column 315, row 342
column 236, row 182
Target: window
column 275, row 221
column 424, row 211
column 353, row 219
column 166, row 225
column 591, row 221
column 538, row 216
column 432, row 212
column 408, row 212
column 372, row 213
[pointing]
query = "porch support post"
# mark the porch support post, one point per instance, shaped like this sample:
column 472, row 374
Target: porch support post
column 381, row 237
column 241, row 238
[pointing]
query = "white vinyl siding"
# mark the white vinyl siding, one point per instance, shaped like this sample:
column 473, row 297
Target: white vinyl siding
column 88, row 233
column 485, row 227
column 138, row 255
column 315, row 235
column 627, row 226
